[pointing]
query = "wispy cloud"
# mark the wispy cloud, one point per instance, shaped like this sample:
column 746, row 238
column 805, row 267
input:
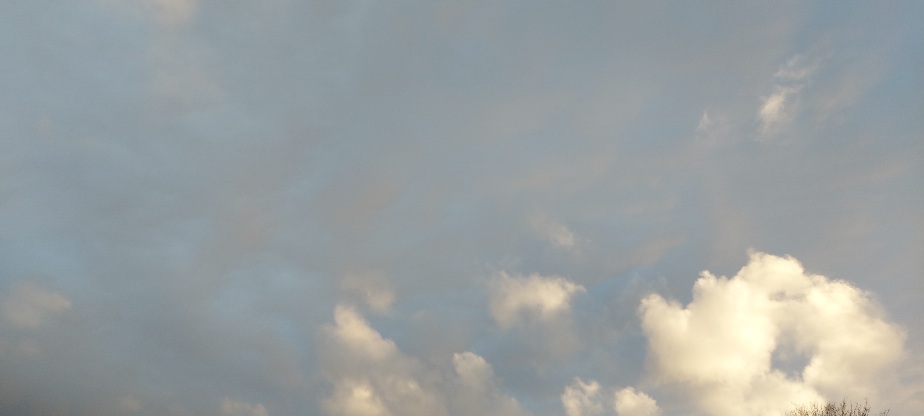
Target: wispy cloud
column 780, row 107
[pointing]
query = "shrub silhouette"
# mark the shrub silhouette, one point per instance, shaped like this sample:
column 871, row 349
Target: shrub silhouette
column 834, row 409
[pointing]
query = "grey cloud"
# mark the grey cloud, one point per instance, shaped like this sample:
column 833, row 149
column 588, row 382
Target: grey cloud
column 205, row 181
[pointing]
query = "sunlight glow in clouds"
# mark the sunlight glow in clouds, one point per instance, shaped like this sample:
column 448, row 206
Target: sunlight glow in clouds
column 720, row 348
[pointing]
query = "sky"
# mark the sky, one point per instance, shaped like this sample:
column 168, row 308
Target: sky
column 361, row 208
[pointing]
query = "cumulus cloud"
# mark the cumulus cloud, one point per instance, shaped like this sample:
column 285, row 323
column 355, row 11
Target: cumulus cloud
column 629, row 402
column 370, row 376
column 515, row 297
column 477, row 392
column 582, row 398
column 232, row 407
column 28, row 305
column 353, row 333
column 723, row 347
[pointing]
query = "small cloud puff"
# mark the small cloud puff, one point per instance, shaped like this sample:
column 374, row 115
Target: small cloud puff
column 514, row 297
column 28, row 305
column 720, row 347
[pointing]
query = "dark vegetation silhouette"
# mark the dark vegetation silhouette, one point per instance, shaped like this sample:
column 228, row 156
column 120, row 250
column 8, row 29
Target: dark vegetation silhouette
column 834, row 409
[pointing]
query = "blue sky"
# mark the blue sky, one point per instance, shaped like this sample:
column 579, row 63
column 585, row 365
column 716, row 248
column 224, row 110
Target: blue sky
column 472, row 208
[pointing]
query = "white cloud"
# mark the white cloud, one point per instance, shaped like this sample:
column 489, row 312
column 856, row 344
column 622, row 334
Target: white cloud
column 473, row 371
column 721, row 346
column 629, row 402
column 355, row 335
column 515, row 297
column 371, row 377
column 353, row 398
column 232, row 407
column 582, row 399
column 28, row 306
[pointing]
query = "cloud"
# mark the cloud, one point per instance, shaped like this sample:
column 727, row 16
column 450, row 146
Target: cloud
column 355, row 398
column 477, row 392
column 779, row 108
column 728, row 348
column 776, row 110
column 371, row 377
column 353, row 333
column 232, row 407
column 28, row 305
column 515, row 297
column 582, row 398
column 795, row 69
column 371, row 289
column 629, row 402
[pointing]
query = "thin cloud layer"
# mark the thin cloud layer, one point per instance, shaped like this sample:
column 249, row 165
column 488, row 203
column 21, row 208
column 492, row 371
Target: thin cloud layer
column 723, row 348
column 28, row 305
